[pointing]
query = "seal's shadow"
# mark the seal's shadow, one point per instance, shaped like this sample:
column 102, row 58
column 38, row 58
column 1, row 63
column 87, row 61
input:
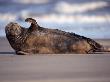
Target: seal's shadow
column 7, row 52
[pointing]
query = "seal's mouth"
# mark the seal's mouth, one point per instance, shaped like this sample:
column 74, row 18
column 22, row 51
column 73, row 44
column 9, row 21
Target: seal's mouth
column 12, row 29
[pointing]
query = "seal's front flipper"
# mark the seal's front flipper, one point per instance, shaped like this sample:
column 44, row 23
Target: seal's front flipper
column 34, row 25
column 21, row 53
column 30, row 20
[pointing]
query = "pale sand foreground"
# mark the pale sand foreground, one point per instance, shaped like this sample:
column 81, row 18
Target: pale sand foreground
column 53, row 68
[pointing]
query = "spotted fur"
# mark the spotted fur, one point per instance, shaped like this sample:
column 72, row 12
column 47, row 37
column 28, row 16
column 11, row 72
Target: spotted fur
column 39, row 40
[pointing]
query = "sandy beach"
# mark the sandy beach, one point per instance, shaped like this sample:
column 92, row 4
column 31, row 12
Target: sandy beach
column 53, row 68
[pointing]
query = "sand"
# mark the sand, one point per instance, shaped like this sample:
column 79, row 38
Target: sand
column 53, row 68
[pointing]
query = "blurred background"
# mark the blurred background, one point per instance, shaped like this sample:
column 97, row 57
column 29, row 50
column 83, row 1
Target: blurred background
column 90, row 18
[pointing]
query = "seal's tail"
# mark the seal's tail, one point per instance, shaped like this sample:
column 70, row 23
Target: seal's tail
column 105, row 49
column 97, row 47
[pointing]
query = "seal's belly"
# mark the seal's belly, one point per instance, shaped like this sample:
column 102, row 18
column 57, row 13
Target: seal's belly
column 46, row 44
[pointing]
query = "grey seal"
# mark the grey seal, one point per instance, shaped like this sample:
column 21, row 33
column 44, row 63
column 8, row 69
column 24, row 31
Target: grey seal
column 40, row 40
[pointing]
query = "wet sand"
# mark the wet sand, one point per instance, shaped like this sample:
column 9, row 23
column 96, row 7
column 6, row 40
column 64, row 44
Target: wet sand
column 53, row 68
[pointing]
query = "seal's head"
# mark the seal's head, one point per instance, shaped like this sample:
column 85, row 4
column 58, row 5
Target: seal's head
column 13, row 29
column 31, row 20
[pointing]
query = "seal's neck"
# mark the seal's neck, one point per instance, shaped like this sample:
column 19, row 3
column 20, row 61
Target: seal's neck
column 14, row 42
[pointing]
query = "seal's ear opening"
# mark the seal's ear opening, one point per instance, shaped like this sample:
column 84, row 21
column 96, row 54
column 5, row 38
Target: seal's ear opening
column 12, row 29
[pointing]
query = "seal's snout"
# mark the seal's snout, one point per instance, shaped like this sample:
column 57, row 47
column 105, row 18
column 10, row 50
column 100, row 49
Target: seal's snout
column 30, row 20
